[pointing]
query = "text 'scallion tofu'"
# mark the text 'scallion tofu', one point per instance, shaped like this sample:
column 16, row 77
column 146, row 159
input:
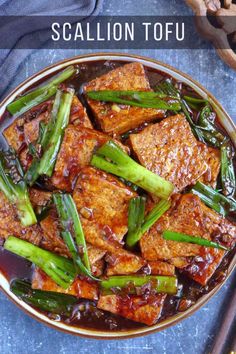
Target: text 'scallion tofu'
column 190, row 216
column 115, row 118
column 170, row 150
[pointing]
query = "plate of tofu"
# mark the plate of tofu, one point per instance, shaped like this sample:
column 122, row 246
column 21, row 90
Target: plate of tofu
column 117, row 189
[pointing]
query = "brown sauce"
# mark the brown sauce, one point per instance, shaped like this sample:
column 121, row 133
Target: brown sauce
column 85, row 313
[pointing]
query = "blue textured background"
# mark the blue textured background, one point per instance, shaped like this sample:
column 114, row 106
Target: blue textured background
column 20, row 334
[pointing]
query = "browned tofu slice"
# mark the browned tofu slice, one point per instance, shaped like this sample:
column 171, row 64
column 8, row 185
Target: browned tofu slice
column 81, row 287
column 78, row 114
column 31, row 128
column 202, row 267
column 135, row 308
column 170, row 150
column 102, row 202
column 25, row 129
column 52, row 240
column 39, row 197
column 114, row 118
column 11, row 225
column 212, row 159
column 78, row 117
column 123, row 263
column 161, row 268
column 76, row 152
column 190, row 216
column 14, row 133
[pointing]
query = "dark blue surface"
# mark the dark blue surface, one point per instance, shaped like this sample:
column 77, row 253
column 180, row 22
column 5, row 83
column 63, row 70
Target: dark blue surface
column 20, row 334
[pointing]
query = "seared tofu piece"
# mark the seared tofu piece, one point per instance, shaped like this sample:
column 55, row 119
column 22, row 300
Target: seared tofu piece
column 76, row 152
column 10, row 224
column 102, row 202
column 78, row 117
column 78, row 114
column 25, row 129
column 31, row 128
column 170, row 150
column 161, row 268
column 52, row 240
column 202, row 267
column 81, row 287
column 212, row 159
column 115, row 118
column 14, row 133
column 190, row 216
column 39, row 197
column 96, row 258
column 136, row 308
column 123, row 263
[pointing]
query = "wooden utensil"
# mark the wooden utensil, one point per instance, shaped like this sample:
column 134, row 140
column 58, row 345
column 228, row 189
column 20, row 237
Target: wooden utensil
column 218, row 36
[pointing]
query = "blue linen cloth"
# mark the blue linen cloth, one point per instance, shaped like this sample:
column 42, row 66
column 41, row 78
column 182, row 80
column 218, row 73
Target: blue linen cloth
column 10, row 60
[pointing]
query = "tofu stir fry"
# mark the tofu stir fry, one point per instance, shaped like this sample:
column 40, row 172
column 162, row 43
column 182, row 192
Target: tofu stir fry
column 117, row 189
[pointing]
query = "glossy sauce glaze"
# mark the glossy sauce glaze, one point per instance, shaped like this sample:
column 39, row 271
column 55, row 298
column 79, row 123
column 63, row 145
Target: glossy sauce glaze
column 85, row 313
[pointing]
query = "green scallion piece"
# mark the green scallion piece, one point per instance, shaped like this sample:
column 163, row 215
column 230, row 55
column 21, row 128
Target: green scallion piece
column 40, row 94
column 179, row 237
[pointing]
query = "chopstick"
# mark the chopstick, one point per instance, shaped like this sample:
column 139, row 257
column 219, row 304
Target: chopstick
column 226, row 328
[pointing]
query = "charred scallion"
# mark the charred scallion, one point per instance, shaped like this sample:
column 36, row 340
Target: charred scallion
column 44, row 300
column 40, row 94
column 59, row 268
column 204, row 130
column 195, row 102
column 210, row 135
column 12, row 184
column 72, row 232
column 111, row 158
column 51, row 137
column 135, row 219
column 161, row 284
column 139, row 224
column 167, row 87
column 179, row 237
column 214, row 199
column 227, row 170
column 144, row 99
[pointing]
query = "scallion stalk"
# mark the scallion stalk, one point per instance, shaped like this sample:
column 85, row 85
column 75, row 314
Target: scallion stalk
column 161, row 284
column 48, row 301
column 40, row 94
column 134, row 234
column 144, row 99
column 180, row 237
column 59, row 268
column 111, row 158
column 72, row 232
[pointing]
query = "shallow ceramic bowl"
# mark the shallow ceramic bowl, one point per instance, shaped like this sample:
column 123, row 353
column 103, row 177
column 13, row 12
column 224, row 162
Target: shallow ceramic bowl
column 226, row 122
